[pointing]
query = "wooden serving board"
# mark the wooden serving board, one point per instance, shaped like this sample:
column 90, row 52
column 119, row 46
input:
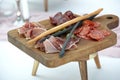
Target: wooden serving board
column 85, row 47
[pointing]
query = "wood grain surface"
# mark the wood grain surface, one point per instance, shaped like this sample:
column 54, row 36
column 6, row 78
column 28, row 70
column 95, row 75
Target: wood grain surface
column 85, row 47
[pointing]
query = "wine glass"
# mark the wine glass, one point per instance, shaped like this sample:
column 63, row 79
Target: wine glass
column 19, row 20
column 7, row 8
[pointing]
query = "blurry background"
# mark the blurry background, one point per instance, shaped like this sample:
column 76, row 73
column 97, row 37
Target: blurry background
column 35, row 11
column 16, row 65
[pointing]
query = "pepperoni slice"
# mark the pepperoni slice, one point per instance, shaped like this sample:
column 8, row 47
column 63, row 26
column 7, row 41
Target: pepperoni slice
column 96, row 35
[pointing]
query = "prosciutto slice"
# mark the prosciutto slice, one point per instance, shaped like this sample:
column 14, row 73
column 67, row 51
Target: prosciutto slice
column 30, row 30
column 49, row 47
column 35, row 32
column 26, row 27
column 54, row 44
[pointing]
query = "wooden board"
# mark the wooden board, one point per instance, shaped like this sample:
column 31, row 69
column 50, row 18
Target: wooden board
column 85, row 47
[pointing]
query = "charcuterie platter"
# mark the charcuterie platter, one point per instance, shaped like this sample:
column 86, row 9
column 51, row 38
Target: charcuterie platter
column 85, row 47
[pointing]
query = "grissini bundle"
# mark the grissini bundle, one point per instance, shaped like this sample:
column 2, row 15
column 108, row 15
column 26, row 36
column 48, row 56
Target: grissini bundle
column 62, row 26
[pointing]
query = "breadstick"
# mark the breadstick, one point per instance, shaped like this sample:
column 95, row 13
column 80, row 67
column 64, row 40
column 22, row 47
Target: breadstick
column 62, row 26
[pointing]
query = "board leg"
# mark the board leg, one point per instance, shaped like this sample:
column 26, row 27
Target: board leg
column 35, row 67
column 97, row 62
column 83, row 69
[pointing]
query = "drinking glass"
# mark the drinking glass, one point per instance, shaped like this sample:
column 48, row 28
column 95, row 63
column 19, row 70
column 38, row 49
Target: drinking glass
column 7, row 8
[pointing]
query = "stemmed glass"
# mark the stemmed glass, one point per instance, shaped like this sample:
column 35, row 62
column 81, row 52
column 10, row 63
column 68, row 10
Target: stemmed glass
column 7, row 8
column 22, row 12
column 19, row 20
column 19, row 16
column 9, row 13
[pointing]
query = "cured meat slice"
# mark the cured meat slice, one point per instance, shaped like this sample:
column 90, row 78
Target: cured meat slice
column 96, row 35
column 40, row 46
column 57, row 42
column 72, row 44
column 54, row 20
column 32, row 33
column 49, row 47
column 90, row 23
column 25, row 28
column 89, row 30
column 60, row 18
column 69, row 14
column 82, row 32
column 28, row 34
column 36, row 31
column 63, row 19
column 54, row 44
column 105, row 32
column 31, row 30
column 78, row 30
